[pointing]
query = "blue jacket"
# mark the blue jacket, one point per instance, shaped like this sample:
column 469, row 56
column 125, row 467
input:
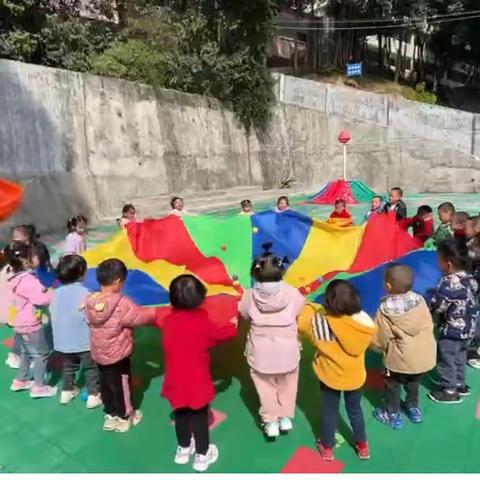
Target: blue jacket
column 71, row 333
column 455, row 301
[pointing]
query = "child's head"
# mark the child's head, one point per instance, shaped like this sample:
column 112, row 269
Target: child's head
column 452, row 256
column 176, row 203
column 459, row 220
column 282, row 203
column 268, row 267
column 424, row 212
column 398, row 279
column 78, row 224
column 340, row 206
column 395, row 195
column 342, row 298
column 376, row 202
column 446, row 211
column 187, row 292
column 71, row 269
column 18, row 255
column 472, row 227
column 129, row 212
column 24, row 233
column 111, row 275
column 246, row 206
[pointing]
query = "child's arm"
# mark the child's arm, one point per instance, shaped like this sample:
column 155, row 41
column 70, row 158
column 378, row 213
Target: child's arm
column 135, row 316
column 441, row 298
column 31, row 289
column 243, row 306
column 382, row 336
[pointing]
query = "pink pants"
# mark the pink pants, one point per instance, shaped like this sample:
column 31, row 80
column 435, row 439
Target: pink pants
column 277, row 393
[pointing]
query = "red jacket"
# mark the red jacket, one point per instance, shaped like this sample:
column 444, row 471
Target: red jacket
column 111, row 318
column 422, row 229
column 187, row 337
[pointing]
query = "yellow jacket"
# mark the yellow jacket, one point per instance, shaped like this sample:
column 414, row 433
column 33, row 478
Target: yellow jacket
column 340, row 344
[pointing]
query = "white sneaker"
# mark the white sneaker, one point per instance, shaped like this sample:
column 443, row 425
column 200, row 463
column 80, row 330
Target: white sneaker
column 68, row 395
column 136, row 417
column 285, row 424
column 110, row 423
column 272, row 429
column 474, row 363
column 13, row 360
column 94, row 401
column 202, row 462
column 182, row 457
column 123, row 425
column 43, row 391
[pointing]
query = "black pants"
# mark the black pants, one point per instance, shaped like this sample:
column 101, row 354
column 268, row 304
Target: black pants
column 71, row 365
column 115, row 389
column 393, row 382
column 330, row 410
column 190, row 422
column 451, row 363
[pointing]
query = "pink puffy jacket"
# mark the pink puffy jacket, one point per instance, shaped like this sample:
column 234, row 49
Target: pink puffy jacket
column 111, row 318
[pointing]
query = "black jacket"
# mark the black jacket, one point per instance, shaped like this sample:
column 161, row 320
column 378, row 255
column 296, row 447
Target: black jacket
column 400, row 209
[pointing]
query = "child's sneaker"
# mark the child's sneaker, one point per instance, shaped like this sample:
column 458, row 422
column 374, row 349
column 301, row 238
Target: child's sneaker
column 474, row 363
column 445, row 396
column 182, row 457
column 136, row 417
column 463, row 390
column 109, row 423
column 363, row 452
column 43, row 391
column 392, row 420
column 325, row 452
column 94, row 401
column 202, row 462
column 285, row 424
column 13, row 360
column 122, row 425
column 68, row 395
column 19, row 385
column 414, row 414
column 272, row 429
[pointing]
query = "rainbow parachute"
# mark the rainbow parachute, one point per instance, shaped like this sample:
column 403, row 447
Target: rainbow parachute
column 220, row 251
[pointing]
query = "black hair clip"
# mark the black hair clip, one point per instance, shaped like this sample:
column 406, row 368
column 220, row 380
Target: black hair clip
column 267, row 247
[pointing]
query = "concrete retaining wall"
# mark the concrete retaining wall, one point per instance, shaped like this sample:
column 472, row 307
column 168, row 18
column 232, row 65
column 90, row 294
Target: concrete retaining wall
column 88, row 144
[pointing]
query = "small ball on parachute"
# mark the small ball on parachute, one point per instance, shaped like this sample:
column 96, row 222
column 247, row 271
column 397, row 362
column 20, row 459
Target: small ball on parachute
column 223, row 248
column 84, row 395
column 255, row 230
column 308, row 289
column 235, row 280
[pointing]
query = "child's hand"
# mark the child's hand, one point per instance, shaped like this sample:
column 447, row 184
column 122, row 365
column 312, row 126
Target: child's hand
column 234, row 320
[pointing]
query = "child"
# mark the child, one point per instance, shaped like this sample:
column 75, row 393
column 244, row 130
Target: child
column 405, row 337
column 40, row 254
column 422, row 223
column 76, row 239
column 177, row 207
column 188, row 334
column 128, row 215
column 455, row 302
column 112, row 317
column 273, row 349
column 27, row 295
column 375, row 207
column 340, row 215
column 340, row 333
column 282, row 204
column 459, row 223
column 71, row 335
column 396, row 204
column 246, row 208
column 446, row 211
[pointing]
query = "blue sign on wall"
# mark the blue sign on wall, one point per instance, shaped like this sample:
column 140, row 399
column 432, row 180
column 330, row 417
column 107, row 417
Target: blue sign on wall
column 354, row 69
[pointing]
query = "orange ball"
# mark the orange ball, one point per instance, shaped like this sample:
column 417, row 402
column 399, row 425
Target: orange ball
column 308, row 289
column 223, row 248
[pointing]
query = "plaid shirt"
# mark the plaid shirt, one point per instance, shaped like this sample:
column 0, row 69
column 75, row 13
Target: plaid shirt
column 400, row 304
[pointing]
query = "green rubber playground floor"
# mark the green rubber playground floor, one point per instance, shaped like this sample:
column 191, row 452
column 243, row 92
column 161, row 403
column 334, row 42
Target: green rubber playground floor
column 43, row 437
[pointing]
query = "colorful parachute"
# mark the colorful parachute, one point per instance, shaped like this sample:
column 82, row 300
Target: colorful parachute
column 11, row 195
column 220, row 251
column 351, row 191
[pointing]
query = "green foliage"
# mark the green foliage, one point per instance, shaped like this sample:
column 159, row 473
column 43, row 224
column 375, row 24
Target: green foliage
column 420, row 94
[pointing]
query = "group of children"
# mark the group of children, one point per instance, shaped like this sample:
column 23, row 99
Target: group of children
column 94, row 331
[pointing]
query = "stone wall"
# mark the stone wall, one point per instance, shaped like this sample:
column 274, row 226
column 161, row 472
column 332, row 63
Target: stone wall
column 88, row 144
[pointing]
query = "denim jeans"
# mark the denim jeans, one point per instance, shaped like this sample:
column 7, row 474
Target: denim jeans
column 330, row 411
column 33, row 347
column 452, row 360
